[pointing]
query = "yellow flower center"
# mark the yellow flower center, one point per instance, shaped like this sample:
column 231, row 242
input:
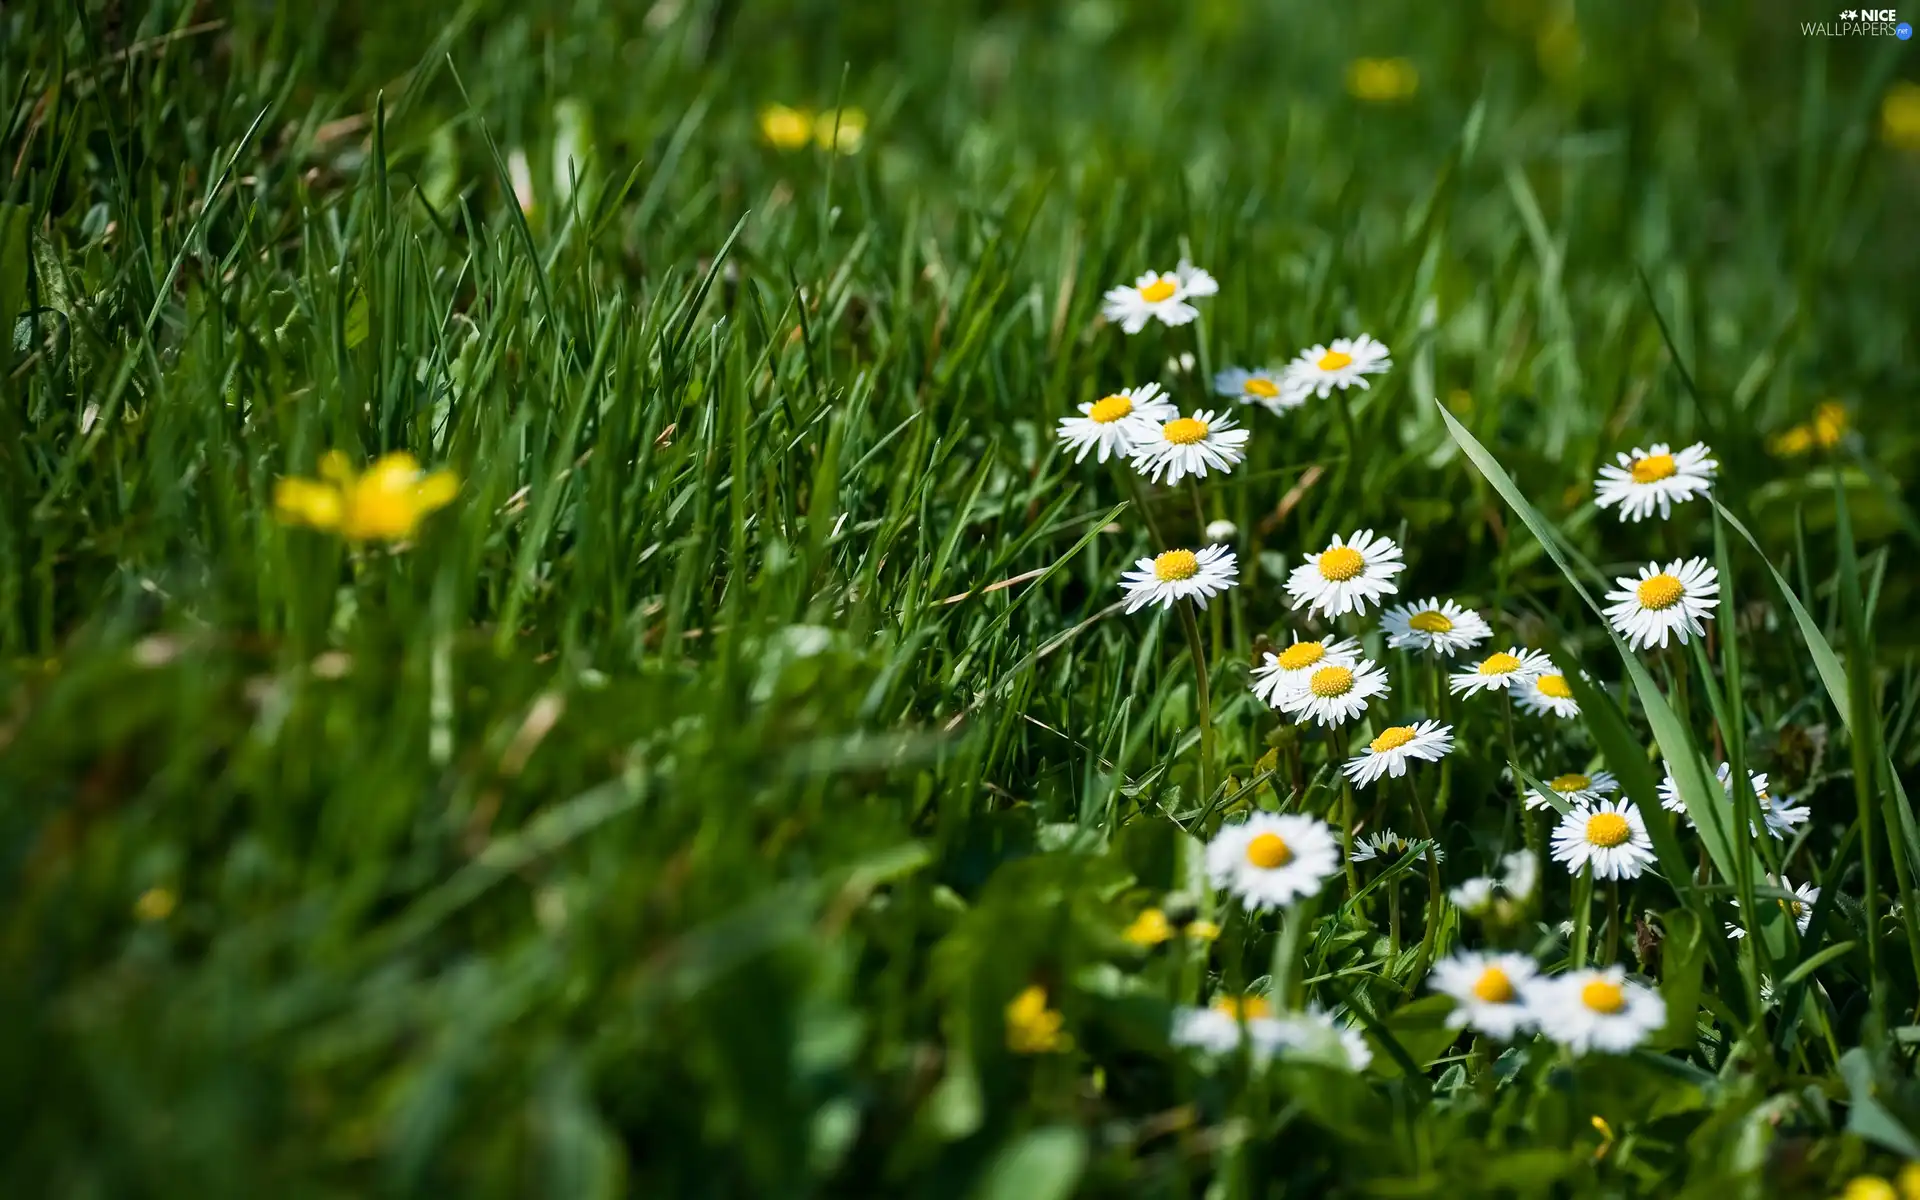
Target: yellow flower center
column 1608, row 829
column 1604, row 997
column 1157, row 291
column 1430, row 621
column 1494, row 987
column 1269, row 852
column 1175, row 565
column 1341, row 564
column 1794, row 908
column 1111, row 409
column 1555, row 686
column 1302, row 655
column 1570, row 783
column 1653, row 468
column 1266, row 389
column 1331, row 681
column 1184, row 431
column 1248, row 1008
column 1661, row 591
column 1333, row 360
column 1392, row 739
column 1499, row 664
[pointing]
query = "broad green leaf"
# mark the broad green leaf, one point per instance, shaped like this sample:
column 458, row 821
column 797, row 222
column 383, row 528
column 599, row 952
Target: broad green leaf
column 1044, row 1164
column 1683, row 959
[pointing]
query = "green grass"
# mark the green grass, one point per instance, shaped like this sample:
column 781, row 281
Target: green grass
column 679, row 811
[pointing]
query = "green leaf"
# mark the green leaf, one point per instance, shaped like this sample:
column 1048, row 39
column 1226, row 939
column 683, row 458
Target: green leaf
column 1044, row 1164
column 359, row 321
column 1683, row 960
column 14, row 252
column 1866, row 1116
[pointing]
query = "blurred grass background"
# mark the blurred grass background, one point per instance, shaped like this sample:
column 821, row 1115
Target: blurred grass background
column 678, row 812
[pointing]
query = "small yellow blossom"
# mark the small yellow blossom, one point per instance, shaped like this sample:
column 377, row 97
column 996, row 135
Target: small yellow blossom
column 1203, row 931
column 1828, row 426
column 1900, row 116
column 155, row 904
column 1606, row 1137
column 1382, row 80
column 387, row 502
column 844, row 130
column 1868, row 1187
column 1032, row 1027
column 1150, row 928
column 786, row 128
column 1909, row 1180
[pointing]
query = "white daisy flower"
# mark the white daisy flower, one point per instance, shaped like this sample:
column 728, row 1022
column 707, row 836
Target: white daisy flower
column 1656, row 477
column 1189, row 446
column 1336, row 693
column 1388, row 844
column 1180, row 574
column 1222, row 530
column 1114, row 423
column 1347, row 576
column 1345, row 363
column 1800, row 908
column 1474, row 896
column 1290, row 670
column 1500, row 671
column 1388, row 754
column 1266, row 387
column 1270, row 860
column 1488, row 991
column 1315, row 1036
column 1520, row 874
column 1158, row 295
column 1780, row 817
column 1596, row 1010
column 1663, row 603
column 1221, row 1026
column 1435, row 625
column 1578, row 790
column 1546, row 693
column 1611, row 837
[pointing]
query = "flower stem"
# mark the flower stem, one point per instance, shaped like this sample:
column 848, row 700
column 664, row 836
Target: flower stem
column 1336, row 757
column 1582, row 910
column 1535, row 844
column 1427, row 939
column 1203, row 700
column 1283, row 977
column 1611, row 954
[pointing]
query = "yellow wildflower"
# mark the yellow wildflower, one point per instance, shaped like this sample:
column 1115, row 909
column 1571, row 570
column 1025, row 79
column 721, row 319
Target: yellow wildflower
column 1868, row 1187
column 786, row 128
column 1032, row 1027
column 843, row 129
column 1909, row 1180
column 387, row 502
column 1382, row 80
column 1900, row 116
column 1203, row 931
column 1828, row 426
column 155, row 904
column 1150, row 928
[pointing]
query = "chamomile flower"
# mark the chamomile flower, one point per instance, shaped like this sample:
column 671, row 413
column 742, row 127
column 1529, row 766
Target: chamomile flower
column 1497, row 672
column 1158, row 295
column 1347, row 576
column 1546, row 693
column 1488, row 990
column 1611, row 837
column 1266, row 387
column 1293, row 667
column 1520, row 874
column 1315, row 1036
column 1270, row 860
column 1577, row 790
column 1664, row 602
column 1434, row 625
column 1335, row 694
column 1180, row 574
column 1345, row 363
column 1388, row 844
column 1780, row 817
column 1223, row 1025
column 1397, row 745
column 1658, row 477
column 1800, row 908
column 1474, row 896
column 1597, row 1010
column 1114, row 423
column 1187, row 446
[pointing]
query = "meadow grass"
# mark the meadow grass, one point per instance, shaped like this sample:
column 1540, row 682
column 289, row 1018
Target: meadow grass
column 679, row 809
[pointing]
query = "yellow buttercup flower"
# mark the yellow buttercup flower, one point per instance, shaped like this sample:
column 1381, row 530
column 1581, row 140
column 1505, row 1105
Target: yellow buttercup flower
column 1868, row 1187
column 1909, row 1180
column 385, row 503
column 1382, row 80
column 1900, row 116
column 786, row 128
column 1032, row 1027
column 844, row 130
column 1203, row 931
column 1828, row 426
column 1150, row 928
